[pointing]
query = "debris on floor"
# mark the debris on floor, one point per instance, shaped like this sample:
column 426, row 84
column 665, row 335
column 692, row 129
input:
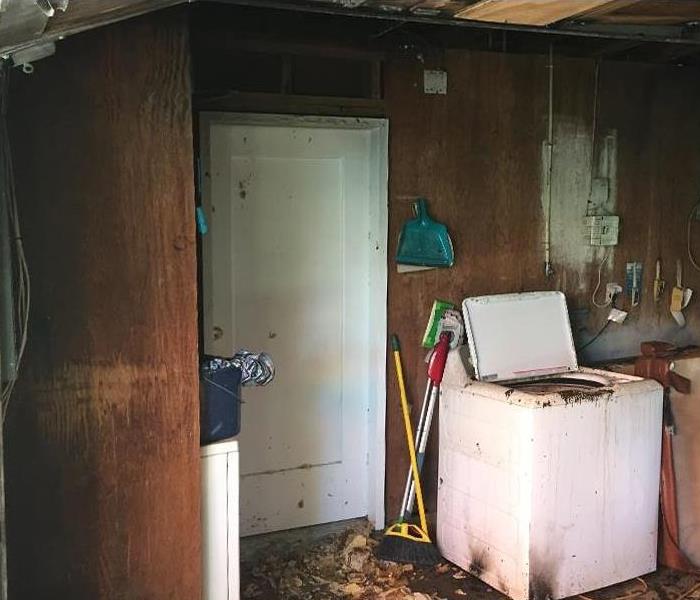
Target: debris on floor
column 343, row 566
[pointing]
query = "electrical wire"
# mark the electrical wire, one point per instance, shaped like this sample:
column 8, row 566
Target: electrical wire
column 689, row 592
column 602, row 330
column 597, row 287
column 594, row 127
column 691, row 218
column 628, row 595
column 548, row 270
column 21, row 280
column 596, row 336
column 638, row 593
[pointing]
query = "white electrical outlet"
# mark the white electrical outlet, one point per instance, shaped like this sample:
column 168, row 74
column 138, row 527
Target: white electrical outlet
column 617, row 316
column 602, row 230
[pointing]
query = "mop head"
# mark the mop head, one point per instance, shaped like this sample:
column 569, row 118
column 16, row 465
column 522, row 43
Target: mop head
column 408, row 543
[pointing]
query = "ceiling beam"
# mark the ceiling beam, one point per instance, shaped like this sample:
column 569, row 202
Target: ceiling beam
column 410, row 17
column 87, row 14
column 641, row 32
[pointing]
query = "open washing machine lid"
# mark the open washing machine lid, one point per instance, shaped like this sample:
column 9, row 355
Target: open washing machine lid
column 518, row 336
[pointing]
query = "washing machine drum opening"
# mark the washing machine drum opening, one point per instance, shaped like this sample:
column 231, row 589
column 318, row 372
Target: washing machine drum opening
column 553, row 385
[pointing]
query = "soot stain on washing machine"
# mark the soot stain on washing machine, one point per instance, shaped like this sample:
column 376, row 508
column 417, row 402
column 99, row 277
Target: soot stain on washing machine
column 477, row 564
column 540, row 587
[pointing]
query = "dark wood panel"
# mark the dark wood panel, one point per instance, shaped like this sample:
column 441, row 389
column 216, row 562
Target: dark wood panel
column 102, row 437
column 288, row 103
column 475, row 154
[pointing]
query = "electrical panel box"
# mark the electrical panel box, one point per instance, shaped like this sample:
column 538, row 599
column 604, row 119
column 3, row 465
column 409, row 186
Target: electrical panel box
column 434, row 82
column 602, row 230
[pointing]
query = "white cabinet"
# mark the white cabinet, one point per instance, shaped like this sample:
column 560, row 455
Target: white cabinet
column 220, row 533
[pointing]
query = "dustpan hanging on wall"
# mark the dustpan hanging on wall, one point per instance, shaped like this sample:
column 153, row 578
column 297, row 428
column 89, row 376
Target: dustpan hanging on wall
column 424, row 242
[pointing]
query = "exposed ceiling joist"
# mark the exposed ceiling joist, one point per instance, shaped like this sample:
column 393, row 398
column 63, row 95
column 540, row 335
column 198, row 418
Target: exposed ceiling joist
column 668, row 33
column 660, row 21
column 536, row 12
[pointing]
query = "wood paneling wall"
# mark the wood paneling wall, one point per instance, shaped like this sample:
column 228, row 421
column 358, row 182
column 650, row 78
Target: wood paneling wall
column 476, row 155
column 102, row 444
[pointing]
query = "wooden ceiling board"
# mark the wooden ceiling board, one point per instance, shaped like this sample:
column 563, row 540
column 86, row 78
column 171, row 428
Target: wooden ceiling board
column 652, row 12
column 529, row 12
column 607, row 8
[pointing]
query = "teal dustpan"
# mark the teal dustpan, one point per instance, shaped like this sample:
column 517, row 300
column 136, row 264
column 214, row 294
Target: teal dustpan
column 424, row 242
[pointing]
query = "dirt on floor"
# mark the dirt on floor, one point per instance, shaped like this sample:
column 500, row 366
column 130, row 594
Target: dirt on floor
column 343, row 566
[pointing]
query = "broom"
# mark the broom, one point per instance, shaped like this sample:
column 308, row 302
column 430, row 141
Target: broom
column 407, row 542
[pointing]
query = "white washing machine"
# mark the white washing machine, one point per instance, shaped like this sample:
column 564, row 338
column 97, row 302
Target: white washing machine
column 548, row 472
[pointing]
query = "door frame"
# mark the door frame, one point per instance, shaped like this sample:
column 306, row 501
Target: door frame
column 378, row 275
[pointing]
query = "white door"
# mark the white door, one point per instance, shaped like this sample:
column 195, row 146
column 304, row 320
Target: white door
column 288, row 270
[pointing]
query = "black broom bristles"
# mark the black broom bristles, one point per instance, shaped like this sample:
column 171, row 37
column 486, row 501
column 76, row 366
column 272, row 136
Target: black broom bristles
column 403, row 550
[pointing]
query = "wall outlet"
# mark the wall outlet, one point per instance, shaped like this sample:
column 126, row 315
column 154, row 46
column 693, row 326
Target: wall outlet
column 612, row 290
column 617, row 316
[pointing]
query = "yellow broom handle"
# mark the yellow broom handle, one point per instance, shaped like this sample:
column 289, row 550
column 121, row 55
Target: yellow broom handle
column 409, row 434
